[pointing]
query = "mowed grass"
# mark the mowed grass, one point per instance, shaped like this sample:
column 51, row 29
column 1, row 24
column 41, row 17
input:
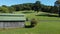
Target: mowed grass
column 46, row 25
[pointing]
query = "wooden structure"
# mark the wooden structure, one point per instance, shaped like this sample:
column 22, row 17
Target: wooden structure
column 12, row 20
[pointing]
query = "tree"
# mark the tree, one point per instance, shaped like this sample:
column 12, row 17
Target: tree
column 59, row 11
column 4, row 9
column 37, row 6
column 33, row 22
column 11, row 9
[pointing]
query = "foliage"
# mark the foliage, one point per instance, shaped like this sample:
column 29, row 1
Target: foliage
column 37, row 6
column 4, row 9
column 33, row 22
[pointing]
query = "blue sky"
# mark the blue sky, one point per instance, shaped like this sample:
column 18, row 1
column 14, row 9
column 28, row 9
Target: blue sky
column 13, row 2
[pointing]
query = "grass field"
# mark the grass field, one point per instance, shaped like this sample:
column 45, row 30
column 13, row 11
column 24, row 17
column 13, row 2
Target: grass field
column 46, row 25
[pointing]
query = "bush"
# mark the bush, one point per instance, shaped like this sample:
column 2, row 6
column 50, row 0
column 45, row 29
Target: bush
column 33, row 22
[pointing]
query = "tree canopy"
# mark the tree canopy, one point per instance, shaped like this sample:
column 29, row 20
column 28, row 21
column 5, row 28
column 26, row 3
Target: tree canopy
column 37, row 6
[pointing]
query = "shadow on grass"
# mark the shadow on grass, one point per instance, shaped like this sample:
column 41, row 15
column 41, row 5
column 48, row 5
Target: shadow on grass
column 29, row 26
column 47, row 15
column 27, row 12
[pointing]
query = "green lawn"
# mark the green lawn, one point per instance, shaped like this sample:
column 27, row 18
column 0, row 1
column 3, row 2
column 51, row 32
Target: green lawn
column 46, row 25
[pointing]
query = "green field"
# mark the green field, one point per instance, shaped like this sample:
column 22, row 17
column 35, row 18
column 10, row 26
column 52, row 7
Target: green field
column 46, row 24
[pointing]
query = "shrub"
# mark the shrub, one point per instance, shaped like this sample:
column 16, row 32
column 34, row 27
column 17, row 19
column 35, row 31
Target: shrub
column 33, row 22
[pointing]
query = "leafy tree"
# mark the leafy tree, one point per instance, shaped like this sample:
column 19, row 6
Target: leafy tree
column 11, row 9
column 37, row 6
column 4, row 9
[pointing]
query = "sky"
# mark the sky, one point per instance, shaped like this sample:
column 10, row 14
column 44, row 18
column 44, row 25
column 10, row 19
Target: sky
column 13, row 2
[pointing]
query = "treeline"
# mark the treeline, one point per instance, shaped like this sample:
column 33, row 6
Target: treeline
column 37, row 6
column 6, row 9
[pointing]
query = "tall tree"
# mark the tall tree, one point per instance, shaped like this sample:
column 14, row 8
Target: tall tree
column 37, row 6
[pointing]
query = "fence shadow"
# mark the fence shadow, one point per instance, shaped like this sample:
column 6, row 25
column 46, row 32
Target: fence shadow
column 47, row 15
column 27, row 12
